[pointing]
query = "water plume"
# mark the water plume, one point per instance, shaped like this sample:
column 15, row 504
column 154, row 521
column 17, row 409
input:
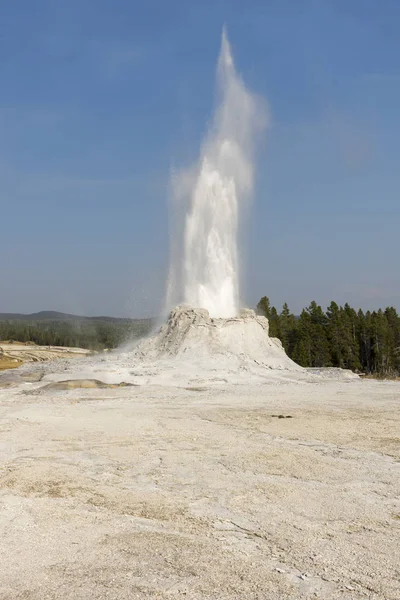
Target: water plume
column 208, row 199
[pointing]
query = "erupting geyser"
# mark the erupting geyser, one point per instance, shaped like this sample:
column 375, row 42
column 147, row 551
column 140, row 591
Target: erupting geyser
column 207, row 337
column 209, row 198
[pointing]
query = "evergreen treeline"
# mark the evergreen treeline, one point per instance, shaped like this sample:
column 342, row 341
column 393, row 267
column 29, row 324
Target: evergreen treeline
column 340, row 337
column 94, row 334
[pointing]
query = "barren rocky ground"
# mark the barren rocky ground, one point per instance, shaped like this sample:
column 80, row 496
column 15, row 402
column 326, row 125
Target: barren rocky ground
column 276, row 491
column 18, row 353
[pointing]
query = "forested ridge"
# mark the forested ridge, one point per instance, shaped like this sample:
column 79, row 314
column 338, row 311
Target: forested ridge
column 338, row 337
column 94, row 333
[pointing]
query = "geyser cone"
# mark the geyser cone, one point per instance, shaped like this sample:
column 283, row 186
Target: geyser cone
column 210, row 196
column 192, row 336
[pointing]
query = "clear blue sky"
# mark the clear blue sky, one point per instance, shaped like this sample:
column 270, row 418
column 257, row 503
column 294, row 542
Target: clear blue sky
column 100, row 98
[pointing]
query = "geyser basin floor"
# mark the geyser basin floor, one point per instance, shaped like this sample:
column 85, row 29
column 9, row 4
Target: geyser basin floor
column 152, row 492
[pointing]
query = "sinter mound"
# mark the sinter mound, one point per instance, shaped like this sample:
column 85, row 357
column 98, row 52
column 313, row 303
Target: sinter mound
column 192, row 335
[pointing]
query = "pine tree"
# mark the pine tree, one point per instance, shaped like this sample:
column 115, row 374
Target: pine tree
column 393, row 321
column 288, row 327
column 363, row 341
column 302, row 350
column 274, row 324
column 320, row 355
column 350, row 322
column 334, row 334
column 382, row 344
column 264, row 307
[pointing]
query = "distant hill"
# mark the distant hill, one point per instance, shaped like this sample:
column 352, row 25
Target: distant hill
column 53, row 315
column 52, row 328
column 44, row 315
